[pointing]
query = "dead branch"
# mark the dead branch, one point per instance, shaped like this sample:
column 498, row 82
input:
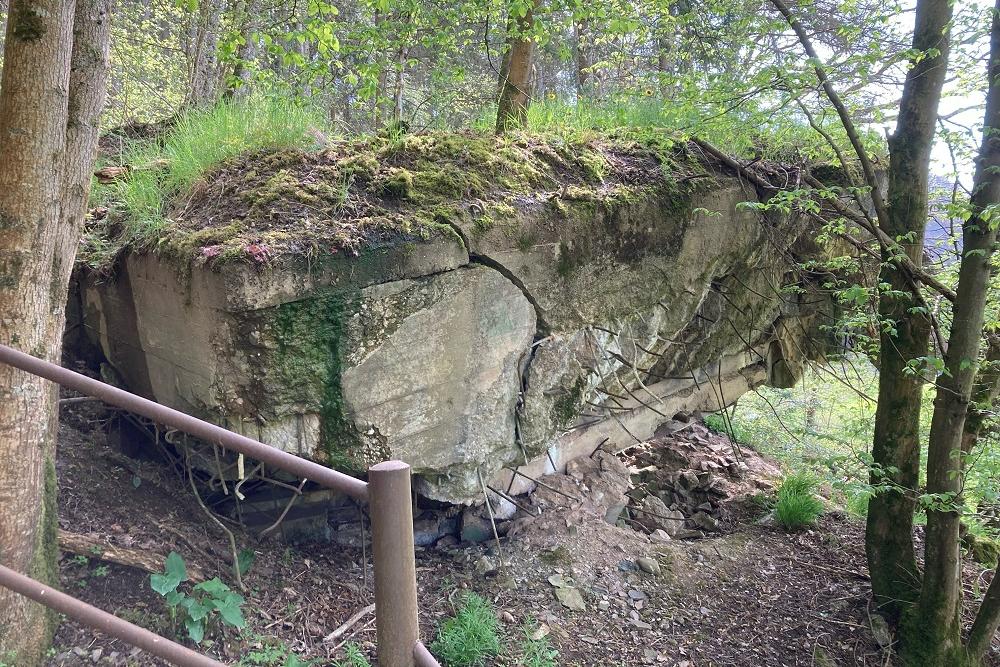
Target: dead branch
column 141, row 559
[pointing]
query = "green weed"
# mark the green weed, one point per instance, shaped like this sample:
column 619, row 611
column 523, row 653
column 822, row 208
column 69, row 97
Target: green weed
column 208, row 604
column 471, row 636
column 798, row 506
column 354, row 658
column 272, row 653
column 536, row 652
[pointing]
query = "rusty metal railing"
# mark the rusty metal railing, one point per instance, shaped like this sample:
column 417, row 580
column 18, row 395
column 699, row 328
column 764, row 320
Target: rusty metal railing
column 387, row 492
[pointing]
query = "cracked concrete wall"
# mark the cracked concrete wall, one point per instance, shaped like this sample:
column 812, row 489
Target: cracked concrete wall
column 519, row 346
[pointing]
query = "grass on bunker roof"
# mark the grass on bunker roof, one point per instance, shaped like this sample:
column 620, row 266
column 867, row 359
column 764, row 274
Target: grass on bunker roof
column 252, row 194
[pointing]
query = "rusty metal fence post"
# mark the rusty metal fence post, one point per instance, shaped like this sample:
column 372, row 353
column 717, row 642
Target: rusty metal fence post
column 391, row 510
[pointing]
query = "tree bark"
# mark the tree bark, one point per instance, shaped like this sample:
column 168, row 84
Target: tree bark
column 580, row 31
column 48, row 119
column 938, row 613
column 202, row 52
column 33, row 112
column 515, row 72
column 896, row 447
column 238, row 83
column 987, row 621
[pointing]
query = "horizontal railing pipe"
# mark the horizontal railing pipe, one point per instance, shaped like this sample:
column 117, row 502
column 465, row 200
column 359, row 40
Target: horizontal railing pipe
column 199, row 428
column 422, row 657
column 107, row 623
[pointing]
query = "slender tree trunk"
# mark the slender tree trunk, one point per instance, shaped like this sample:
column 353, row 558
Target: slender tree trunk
column 937, row 615
column 33, row 111
column 582, row 57
column 896, row 447
column 49, row 113
column 88, row 87
column 515, row 73
column 399, row 87
column 238, row 83
column 202, row 52
column 987, row 621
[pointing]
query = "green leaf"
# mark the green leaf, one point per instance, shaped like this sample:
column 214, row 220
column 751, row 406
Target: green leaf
column 213, row 587
column 164, row 584
column 175, row 566
column 245, row 561
column 196, row 630
column 232, row 615
column 196, row 610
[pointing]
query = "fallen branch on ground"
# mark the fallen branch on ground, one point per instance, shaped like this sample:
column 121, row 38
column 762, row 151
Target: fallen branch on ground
column 142, row 559
column 342, row 630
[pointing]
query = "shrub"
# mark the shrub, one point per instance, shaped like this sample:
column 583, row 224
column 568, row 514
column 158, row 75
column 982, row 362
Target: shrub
column 468, row 638
column 798, row 506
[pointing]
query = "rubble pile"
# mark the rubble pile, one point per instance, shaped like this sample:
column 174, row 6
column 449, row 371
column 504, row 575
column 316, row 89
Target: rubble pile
column 684, row 476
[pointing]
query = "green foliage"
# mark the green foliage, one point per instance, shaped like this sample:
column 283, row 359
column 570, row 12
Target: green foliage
column 205, row 607
column 536, row 652
column 272, row 653
column 470, row 637
column 798, row 506
column 200, row 140
column 353, row 658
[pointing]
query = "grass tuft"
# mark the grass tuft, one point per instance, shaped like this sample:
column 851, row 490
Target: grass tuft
column 353, row 657
column 199, row 141
column 536, row 652
column 471, row 636
column 798, row 506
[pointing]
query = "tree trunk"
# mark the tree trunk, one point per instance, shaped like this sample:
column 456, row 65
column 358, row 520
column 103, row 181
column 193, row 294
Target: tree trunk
column 238, row 84
column 937, row 616
column 987, row 621
column 582, row 57
column 48, row 118
column 202, row 52
column 896, row 447
column 33, row 108
column 399, row 87
column 515, row 73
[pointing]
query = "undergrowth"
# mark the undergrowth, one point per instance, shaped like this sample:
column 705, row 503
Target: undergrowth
column 747, row 131
column 798, row 506
column 824, row 427
column 200, row 140
column 469, row 637
column 473, row 635
column 353, row 657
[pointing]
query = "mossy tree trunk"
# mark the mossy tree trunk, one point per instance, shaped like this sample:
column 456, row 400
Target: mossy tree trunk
column 48, row 135
column 906, row 330
column 517, row 66
column 932, row 634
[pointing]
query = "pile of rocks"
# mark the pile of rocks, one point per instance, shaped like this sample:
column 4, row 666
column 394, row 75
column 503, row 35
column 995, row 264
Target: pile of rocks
column 682, row 479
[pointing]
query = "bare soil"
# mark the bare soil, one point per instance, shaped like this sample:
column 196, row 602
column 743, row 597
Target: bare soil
column 750, row 595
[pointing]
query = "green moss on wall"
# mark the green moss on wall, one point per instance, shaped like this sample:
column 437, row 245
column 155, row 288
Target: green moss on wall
column 309, row 335
column 566, row 408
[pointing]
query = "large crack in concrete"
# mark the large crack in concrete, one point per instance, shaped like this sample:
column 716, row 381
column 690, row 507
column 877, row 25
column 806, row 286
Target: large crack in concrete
column 542, row 328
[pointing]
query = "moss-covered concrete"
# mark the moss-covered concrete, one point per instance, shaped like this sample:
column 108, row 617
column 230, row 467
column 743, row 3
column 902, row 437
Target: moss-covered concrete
column 462, row 301
column 359, row 195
